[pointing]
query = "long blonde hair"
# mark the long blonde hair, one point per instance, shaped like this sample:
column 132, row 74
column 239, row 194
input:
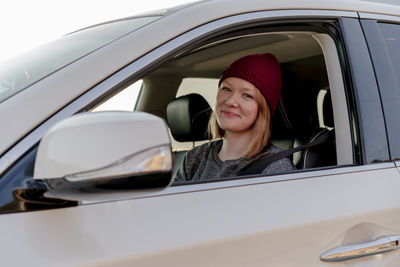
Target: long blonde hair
column 260, row 130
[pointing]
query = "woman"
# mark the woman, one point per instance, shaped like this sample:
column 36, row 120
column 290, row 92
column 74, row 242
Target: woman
column 247, row 97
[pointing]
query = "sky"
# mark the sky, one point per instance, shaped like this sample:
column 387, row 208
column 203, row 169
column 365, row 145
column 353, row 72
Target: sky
column 26, row 24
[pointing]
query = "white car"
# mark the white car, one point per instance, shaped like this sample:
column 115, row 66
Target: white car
column 86, row 183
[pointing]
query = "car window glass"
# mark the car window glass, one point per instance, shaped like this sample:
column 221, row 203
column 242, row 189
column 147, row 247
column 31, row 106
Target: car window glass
column 391, row 36
column 23, row 71
column 124, row 100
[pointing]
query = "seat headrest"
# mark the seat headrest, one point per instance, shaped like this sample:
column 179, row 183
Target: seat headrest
column 187, row 118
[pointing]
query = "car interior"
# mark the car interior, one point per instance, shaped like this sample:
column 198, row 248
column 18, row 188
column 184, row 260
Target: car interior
column 182, row 91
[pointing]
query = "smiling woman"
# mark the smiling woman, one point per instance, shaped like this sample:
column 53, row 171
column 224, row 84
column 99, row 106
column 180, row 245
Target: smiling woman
column 237, row 107
column 247, row 97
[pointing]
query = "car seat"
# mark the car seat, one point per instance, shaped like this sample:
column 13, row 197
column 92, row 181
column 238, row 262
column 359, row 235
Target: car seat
column 283, row 134
column 187, row 118
column 325, row 153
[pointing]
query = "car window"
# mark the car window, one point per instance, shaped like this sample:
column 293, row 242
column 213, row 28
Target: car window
column 383, row 40
column 25, row 70
column 313, row 98
column 391, row 33
column 310, row 100
column 124, row 100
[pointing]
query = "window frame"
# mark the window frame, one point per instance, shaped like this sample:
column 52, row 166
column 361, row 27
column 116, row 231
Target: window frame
column 344, row 145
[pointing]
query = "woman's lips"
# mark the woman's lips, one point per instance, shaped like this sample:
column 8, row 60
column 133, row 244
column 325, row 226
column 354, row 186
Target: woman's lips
column 230, row 114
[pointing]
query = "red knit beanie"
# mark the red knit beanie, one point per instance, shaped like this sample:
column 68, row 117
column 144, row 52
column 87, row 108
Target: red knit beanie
column 263, row 71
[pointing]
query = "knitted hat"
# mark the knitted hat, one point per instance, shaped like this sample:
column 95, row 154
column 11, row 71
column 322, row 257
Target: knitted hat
column 263, row 71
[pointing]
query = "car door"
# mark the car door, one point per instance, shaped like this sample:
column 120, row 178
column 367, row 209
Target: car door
column 280, row 220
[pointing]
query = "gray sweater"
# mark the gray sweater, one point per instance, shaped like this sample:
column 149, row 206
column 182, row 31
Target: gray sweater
column 202, row 163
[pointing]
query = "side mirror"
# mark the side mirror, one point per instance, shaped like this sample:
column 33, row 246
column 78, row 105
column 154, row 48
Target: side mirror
column 105, row 155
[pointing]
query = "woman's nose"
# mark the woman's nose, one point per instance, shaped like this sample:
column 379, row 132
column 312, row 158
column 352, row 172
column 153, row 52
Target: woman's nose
column 232, row 100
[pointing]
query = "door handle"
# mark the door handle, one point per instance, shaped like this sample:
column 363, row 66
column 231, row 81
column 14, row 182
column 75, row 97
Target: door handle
column 379, row 245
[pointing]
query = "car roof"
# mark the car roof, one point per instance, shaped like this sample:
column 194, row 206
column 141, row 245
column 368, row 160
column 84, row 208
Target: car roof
column 231, row 7
column 220, row 8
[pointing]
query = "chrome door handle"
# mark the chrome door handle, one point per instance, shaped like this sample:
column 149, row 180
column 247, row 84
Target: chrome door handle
column 380, row 245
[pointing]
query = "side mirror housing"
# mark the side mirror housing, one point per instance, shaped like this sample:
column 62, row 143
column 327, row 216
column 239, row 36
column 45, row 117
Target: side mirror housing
column 104, row 155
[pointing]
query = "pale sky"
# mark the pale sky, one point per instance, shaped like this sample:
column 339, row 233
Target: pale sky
column 25, row 24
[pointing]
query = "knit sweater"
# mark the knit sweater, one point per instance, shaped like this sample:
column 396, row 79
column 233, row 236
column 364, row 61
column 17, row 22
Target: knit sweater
column 202, row 163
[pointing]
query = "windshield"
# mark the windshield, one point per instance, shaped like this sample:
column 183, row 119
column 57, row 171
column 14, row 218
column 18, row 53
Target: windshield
column 25, row 70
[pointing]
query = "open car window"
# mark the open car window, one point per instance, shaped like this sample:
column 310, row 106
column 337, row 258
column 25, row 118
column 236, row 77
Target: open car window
column 313, row 96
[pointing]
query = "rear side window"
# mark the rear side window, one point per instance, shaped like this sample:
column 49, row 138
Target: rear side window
column 384, row 42
column 391, row 36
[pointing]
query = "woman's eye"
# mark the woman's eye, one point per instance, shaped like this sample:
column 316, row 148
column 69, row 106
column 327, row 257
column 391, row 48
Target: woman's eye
column 225, row 89
column 247, row 96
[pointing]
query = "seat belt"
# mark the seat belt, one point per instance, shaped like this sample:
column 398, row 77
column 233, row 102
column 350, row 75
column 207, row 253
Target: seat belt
column 257, row 166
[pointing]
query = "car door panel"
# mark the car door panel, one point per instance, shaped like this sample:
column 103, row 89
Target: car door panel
column 280, row 223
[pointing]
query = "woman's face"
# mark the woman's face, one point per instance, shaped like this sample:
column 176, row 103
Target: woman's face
column 236, row 107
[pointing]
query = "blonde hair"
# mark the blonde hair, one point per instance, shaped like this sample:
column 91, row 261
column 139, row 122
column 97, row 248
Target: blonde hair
column 260, row 130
